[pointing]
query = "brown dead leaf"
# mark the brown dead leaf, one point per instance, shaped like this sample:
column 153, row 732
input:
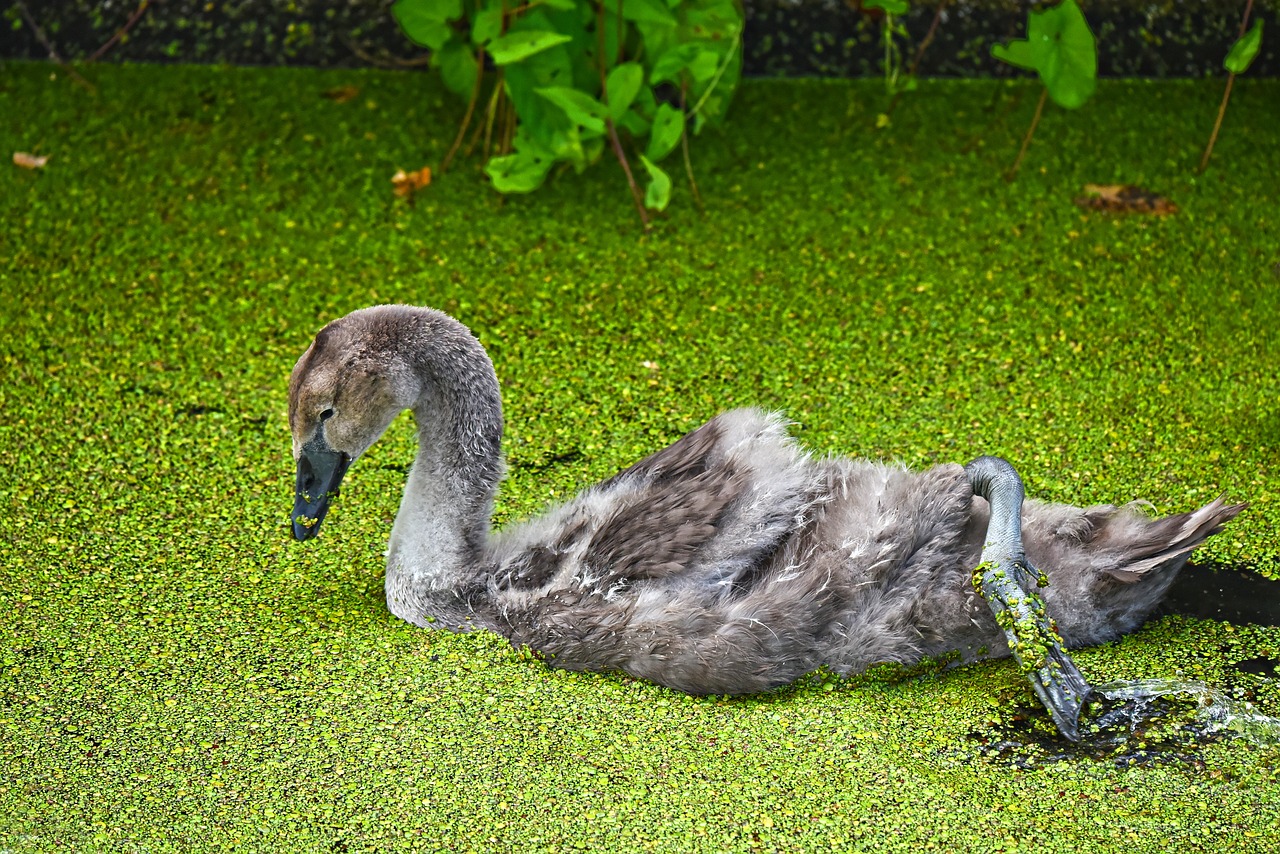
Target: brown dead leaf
column 341, row 94
column 29, row 161
column 1124, row 198
column 407, row 183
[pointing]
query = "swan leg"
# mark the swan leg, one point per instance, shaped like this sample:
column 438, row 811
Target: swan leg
column 1007, row 581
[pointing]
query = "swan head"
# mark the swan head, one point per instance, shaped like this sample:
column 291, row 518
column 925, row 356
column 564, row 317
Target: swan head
column 344, row 392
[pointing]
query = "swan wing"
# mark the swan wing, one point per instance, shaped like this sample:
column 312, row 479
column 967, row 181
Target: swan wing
column 711, row 506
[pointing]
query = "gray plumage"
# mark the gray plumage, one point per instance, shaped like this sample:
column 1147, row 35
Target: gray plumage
column 730, row 562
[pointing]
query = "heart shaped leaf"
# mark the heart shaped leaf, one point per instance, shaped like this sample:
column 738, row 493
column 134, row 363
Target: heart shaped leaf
column 426, row 22
column 622, row 87
column 1060, row 48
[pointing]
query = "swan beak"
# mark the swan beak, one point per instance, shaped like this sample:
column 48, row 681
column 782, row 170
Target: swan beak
column 320, row 471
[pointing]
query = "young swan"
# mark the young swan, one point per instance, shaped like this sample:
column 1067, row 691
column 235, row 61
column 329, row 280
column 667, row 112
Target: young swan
column 731, row 562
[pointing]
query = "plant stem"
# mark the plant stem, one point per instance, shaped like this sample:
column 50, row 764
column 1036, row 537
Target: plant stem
column 1226, row 95
column 601, row 61
column 383, row 62
column 928, row 37
column 622, row 32
column 48, row 45
column 684, row 147
column 471, row 106
column 915, row 63
column 715, row 80
column 137, row 16
column 626, row 167
column 1217, row 125
column 1026, row 140
column 508, row 128
column 490, row 114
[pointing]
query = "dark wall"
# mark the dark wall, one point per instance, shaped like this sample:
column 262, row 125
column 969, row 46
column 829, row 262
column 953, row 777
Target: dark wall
column 1159, row 38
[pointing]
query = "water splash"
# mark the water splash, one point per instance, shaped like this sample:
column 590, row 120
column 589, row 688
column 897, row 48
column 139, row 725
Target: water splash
column 1145, row 722
column 1218, row 712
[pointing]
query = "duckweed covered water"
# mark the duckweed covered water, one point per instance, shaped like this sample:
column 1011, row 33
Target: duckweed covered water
column 176, row 674
column 1150, row 722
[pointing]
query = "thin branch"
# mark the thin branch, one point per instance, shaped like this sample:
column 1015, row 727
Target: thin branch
column 622, row 33
column 389, row 62
column 48, row 45
column 471, row 106
column 508, row 128
column 915, row 63
column 684, row 145
column 1026, row 140
column 626, row 167
column 928, row 37
column 490, row 116
column 1226, row 95
column 120, row 33
column 601, row 61
column 715, row 80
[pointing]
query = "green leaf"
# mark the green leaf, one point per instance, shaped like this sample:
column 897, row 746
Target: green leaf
column 1244, row 50
column 1061, row 49
column 521, row 172
column 700, row 61
column 458, row 67
column 658, row 194
column 591, row 151
column 668, row 124
column 580, row 107
column 634, row 123
column 622, row 86
column 648, row 12
column 487, row 24
column 538, row 117
column 563, row 5
column 893, row 7
column 514, row 47
column 426, row 22
column 715, row 21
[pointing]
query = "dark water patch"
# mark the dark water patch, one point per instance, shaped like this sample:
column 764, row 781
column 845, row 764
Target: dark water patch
column 550, row 462
column 138, row 388
column 399, row 468
column 1260, row 666
column 1223, row 594
column 198, row 409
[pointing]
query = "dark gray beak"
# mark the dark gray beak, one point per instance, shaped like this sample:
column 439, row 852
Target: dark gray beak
column 320, row 471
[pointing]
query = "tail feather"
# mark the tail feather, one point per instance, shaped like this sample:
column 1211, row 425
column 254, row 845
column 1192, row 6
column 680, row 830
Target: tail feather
column 1130, row 546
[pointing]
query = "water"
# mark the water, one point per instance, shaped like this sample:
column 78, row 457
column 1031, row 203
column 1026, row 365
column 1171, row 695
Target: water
column 1223, row 594
column 1143, row 722
column 1217, row 712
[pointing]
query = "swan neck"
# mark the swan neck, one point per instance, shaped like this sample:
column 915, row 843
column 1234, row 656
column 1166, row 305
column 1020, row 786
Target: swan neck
column 436, row 552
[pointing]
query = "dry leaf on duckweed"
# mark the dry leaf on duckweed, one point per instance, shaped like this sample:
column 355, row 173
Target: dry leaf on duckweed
column 29, row 161
column 1124, row 198
column 405, row 183
column 341, row 94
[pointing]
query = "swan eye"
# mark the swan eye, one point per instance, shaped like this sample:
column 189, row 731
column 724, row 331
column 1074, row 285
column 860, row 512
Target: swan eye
column 326, row 415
